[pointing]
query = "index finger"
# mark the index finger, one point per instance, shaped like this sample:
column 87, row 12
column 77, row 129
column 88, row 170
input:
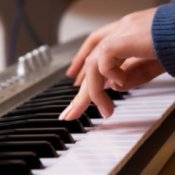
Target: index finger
column 79, row 104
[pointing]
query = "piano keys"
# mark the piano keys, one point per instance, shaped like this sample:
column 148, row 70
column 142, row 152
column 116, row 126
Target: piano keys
column 33, row 141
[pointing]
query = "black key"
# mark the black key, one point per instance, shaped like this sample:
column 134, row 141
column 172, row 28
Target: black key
column 57, row 93
column 42, row 148
column 12, row 125
column 60, row 88
column 30, row 116
column 72, row 126
column 22, row 117
column 66, row 79
column 125, row 93
column 17, row 167
column 36, row 104
column 115, row 95
column 6, row 132
column 93, row 112
column 17, row 118
column 85, row 120
column 42, row 109
column 53, row 139
column 32, row 160
column 65, row 82
column 63, row 133
column 61, row 97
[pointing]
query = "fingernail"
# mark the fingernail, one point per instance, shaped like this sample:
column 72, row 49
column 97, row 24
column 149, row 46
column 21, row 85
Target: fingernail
column 69, row 73
column 120, row 83
column 103, row 113
column 76, row 84
column 65, row 112
column 113, row 86
column 106, row 86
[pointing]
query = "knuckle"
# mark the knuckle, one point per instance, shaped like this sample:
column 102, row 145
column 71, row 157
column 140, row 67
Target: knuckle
column 103, row 64
column 105, row 48
column 103, row 69
column 93, row 34
column 93, row 37
column 129, row 18
column 89, row 61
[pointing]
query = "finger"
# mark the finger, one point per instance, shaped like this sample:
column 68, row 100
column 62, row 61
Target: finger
column 109, row 67
column 114, row 85
column 112, row 55
column 90, row 43
column 138, row 72
column 79, row 59
column 78, row 105
column 80, row 77
column 95, row 85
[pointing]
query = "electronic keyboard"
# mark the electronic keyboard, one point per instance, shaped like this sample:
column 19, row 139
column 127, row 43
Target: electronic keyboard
column 137, row 139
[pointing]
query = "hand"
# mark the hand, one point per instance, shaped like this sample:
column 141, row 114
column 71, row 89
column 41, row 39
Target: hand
column 121, row 54
column 128, row 25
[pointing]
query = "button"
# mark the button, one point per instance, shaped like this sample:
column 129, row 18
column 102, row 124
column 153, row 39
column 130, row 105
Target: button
column 45, row 54
column 23, row 67
column 37, row 58
column 29, row 58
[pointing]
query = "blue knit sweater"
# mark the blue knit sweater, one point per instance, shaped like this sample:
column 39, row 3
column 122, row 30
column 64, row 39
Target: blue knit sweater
column 163, row 33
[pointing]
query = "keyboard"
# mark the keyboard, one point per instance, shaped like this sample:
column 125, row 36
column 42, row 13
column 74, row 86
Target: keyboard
column 34, row 142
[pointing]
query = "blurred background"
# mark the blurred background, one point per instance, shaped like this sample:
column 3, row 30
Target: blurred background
column 27, row 24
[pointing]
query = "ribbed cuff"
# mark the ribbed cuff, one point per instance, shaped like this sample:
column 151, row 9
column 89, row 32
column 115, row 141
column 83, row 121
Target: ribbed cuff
column 163, row 34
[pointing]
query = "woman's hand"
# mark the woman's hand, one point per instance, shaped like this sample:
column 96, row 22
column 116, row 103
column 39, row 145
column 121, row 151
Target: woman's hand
column 121, row 55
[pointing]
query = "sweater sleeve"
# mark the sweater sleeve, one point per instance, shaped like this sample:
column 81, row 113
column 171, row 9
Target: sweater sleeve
column 163, row 34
